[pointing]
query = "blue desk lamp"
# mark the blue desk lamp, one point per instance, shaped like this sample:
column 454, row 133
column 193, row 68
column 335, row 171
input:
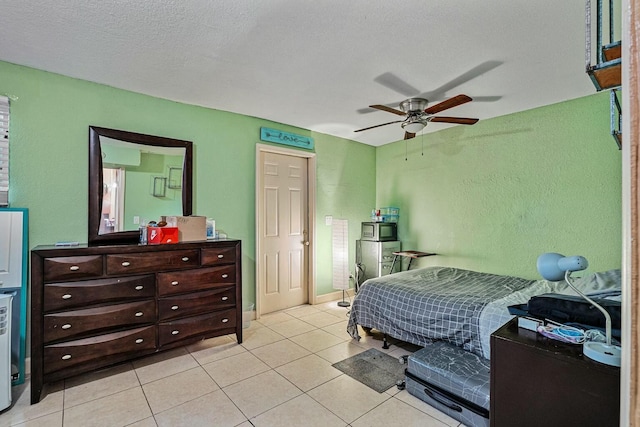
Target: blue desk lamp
column 555, row 267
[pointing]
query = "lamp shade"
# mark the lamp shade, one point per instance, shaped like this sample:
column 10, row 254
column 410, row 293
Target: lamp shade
column 553, row 266
column 413, row 127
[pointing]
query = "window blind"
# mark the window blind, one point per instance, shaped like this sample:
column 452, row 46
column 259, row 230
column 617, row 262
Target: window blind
column 4, row 151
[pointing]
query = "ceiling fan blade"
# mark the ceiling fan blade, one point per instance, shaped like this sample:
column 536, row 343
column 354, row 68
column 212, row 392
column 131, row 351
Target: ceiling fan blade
column 449, row 103
column 395, row 83
column 388, row 109
column 457, row 120
column 377, row 126
column 366, row 110
column 409, row 135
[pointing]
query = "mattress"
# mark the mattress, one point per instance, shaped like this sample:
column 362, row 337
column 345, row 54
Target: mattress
column 434, row 303
column 458, row 306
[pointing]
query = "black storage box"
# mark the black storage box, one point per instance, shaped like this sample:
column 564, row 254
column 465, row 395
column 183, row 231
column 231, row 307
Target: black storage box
column 451, row 380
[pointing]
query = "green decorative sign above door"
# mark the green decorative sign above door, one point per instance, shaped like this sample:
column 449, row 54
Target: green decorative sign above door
column 286, row 138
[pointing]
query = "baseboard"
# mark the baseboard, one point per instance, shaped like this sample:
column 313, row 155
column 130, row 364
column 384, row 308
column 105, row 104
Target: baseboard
column 333, row 296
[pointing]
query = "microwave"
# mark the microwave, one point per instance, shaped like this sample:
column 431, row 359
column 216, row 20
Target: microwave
column 379, row 231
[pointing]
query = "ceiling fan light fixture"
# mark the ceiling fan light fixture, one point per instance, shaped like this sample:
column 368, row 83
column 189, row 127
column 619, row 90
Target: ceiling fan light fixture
column 417, row 115
column 413, row 126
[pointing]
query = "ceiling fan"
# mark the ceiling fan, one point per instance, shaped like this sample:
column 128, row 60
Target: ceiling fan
column 418, row 115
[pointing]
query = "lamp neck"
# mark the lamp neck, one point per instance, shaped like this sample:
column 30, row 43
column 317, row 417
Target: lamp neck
column 567, row 278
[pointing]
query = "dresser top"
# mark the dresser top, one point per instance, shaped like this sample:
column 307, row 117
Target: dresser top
column 53, row 250
column 550, row 347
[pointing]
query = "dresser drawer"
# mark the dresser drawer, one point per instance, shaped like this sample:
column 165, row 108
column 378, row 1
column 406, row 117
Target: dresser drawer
column 72, row 353
column 176, row 330
column 195, row 280
column 71, row 324
column 59, row 296
column 150, row 262
column 73, row 267
column 216, row 256
column 196, row 303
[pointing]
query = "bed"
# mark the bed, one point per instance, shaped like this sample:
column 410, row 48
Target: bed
column 458, row 306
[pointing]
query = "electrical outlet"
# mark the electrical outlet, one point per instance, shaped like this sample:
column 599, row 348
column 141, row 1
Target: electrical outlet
column 136, row 219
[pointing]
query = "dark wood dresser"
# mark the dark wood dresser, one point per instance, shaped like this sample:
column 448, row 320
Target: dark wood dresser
column 94, row 306
column 537, row 381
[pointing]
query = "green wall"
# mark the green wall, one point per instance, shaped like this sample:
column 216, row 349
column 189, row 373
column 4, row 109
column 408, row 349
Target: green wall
column 489, row 197
column 493, row 196
column 50, row 116
column 139, row 182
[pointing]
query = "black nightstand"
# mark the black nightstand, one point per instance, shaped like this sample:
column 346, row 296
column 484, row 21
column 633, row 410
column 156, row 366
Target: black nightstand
column 536, row 381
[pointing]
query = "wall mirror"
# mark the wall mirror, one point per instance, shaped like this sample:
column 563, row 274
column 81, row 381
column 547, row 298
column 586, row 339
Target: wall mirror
column 126, row 171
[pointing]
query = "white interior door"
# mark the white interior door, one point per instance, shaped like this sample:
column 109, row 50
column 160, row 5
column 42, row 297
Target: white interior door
column 283, row 240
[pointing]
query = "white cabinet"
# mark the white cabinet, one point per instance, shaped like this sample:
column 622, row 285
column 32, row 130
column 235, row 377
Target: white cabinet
column 13, row 281
column 11, row 250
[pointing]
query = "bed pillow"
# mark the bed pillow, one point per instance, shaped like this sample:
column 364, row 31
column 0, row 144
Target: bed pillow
column 590, row 283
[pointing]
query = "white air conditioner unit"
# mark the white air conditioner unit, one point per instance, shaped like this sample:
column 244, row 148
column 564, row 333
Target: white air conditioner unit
column 5, row 351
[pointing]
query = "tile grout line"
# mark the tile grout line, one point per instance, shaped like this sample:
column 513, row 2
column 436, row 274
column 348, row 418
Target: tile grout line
column 269, row 327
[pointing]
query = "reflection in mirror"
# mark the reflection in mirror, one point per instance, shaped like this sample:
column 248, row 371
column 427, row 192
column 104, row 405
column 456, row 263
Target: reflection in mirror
column 112, row 202
column 132, row 166
column 135, row 178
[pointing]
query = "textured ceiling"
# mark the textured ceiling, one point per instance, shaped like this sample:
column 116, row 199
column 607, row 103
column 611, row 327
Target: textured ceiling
column 313, row 64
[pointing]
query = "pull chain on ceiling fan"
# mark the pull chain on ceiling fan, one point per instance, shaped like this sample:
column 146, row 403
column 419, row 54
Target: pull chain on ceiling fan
column 418, row 115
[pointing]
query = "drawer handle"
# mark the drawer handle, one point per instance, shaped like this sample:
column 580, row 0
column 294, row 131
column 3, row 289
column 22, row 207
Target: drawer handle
column 225, row 298
column 66, row 296
column 174, row 283
column 126, row 264
column 220, row 256
column 174, row 307
column 176, row 332
column 139, row 288
column 139, row 341
column 66, row 357
column 185, row 258
column 224, row 276
column 225, row 320
column 66, row 326
column 74, row 268
column 139, row 314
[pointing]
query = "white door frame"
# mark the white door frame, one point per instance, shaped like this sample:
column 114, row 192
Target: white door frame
column 311, row 212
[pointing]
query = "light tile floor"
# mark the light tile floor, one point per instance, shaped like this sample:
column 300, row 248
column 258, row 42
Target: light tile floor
column 281, row 375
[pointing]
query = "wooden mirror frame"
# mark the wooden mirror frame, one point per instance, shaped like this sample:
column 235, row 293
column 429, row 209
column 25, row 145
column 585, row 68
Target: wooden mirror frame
column 96, row 180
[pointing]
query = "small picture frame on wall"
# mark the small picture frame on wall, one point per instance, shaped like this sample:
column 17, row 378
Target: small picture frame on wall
column 159, row 186
column 175, row 178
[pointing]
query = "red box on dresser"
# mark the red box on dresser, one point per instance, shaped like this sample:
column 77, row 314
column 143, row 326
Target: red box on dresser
column 159, row 235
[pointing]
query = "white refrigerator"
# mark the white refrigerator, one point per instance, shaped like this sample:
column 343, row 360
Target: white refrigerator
column 374, row 258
